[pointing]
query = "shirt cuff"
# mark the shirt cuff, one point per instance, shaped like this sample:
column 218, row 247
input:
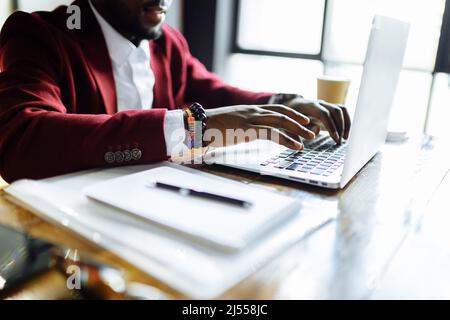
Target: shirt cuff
column 174, row 133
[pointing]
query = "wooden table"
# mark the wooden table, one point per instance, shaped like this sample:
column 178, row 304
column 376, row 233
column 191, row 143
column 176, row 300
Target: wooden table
column 391, row 237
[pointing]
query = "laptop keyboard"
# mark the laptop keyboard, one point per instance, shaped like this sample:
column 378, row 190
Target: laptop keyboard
column 321, row 157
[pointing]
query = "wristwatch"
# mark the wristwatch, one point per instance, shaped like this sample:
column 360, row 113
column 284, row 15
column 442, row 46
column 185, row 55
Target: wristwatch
column 197, row 111
column 195, row 120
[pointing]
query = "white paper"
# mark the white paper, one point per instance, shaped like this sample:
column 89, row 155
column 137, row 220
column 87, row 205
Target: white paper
column 225, row 226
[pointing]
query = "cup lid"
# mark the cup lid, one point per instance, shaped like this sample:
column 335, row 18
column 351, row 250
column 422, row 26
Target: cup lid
column 334, row 78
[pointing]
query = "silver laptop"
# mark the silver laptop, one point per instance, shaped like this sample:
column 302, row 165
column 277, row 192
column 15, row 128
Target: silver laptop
column 322, row 162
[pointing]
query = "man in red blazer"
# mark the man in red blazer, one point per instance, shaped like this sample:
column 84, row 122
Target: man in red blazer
column 107, row 94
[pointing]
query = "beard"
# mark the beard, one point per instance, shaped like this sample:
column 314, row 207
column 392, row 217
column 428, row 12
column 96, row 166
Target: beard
column 130, row 23
column 153, row 33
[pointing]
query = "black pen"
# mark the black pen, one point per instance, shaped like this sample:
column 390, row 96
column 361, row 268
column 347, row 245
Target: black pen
column 202, row 194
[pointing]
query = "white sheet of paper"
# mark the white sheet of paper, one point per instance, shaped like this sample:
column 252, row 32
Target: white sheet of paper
column 222, row 225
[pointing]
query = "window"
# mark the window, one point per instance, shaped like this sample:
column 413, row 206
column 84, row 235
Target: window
column 5, row 10
column 7, row 6
column 256, row 33
column 347, row 34
column 285, row 45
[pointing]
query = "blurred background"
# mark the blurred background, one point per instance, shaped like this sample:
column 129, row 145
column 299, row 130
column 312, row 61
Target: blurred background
column 284, row 45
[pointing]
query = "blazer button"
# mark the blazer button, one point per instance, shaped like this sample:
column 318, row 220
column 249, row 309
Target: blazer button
column 110, row 158
column 120, row 157
column 136, row 154
column 128, row 156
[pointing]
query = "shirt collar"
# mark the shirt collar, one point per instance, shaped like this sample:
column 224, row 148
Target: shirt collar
column 121, row 49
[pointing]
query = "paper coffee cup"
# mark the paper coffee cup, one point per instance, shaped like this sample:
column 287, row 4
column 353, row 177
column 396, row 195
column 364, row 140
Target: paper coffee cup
column 333, row 89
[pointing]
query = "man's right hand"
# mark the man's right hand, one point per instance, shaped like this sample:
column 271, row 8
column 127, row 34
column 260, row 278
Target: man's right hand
column 278, row 123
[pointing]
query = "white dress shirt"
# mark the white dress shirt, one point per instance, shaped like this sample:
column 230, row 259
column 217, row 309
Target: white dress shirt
column 134, row 80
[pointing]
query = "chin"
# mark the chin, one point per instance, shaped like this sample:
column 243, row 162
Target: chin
column 147, row 32
column 153, row 33
column 150, row 24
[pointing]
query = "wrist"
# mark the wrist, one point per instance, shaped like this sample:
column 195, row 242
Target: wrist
column 284, row 98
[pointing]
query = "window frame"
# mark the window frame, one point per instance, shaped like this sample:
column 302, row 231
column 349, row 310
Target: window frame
column 442, row 63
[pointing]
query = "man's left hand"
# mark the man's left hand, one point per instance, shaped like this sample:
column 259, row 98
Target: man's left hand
column 333, row 118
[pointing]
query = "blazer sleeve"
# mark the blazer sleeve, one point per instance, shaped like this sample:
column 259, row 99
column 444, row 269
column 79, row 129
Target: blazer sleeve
column 39, row 138
column 207, row 88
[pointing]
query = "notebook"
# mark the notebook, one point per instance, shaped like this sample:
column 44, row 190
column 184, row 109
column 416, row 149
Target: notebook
column 215, row 223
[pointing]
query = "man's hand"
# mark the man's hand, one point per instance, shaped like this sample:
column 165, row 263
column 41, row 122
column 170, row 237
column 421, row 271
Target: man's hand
column 333, row 118
column 271, row 122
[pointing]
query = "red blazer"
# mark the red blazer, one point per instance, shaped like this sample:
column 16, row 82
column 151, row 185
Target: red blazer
column 58, row 109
